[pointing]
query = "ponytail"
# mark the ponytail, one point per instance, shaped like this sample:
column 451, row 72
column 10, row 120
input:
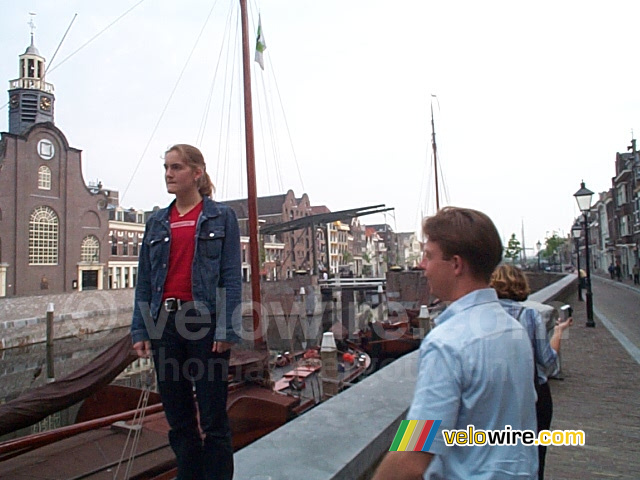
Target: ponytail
column 205, row 185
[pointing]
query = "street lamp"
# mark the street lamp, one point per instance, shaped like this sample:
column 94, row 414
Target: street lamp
column 583, row 198
column 576, row 232
column 539, row 245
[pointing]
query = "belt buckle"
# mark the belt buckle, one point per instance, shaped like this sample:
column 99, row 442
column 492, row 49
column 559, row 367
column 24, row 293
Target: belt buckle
column 172, row 304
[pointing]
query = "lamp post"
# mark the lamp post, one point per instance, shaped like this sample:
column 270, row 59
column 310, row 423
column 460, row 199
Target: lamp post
column 583, row 198
column 539, row 245
column 576, row 231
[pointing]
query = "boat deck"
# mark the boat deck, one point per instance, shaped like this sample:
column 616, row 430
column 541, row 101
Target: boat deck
column 253, row 411
column 93, row 449
column 90, row 455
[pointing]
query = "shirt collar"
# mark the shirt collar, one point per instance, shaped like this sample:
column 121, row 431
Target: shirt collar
column 477, row 297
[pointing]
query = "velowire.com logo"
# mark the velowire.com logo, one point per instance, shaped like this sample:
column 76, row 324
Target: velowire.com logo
column 415, row 435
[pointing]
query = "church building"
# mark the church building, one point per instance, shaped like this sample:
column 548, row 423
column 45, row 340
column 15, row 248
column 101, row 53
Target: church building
column 53, row 227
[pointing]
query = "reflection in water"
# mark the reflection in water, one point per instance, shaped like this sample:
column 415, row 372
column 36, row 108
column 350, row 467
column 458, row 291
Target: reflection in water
column 24, row 368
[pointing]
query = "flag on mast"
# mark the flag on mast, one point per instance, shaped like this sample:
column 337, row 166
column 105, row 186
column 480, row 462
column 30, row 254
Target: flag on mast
column 261, row 45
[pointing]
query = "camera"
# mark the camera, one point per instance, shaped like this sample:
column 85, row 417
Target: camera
column 565, row 312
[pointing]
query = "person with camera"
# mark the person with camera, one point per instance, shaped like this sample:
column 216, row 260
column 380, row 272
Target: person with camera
column 512, row 288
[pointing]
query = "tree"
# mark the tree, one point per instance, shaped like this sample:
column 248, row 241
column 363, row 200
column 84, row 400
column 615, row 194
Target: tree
column 552, row 243
column 513, row 249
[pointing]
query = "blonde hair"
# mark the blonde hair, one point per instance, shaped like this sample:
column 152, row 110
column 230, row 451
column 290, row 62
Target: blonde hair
column 194, row 158
column 510, row 282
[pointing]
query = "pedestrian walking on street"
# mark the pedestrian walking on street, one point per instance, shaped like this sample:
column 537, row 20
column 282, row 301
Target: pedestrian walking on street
column 636, row 274
column 186, row 313
column 612, row 270
column 475, row 366
column 512, row 287
column 618, row 272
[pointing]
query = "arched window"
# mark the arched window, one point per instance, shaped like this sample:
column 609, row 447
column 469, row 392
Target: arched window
column 44, row 178
column 43, row 237
column 90, row 249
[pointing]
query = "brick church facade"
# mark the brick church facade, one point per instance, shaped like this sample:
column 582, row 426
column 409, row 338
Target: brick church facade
column 53, row 227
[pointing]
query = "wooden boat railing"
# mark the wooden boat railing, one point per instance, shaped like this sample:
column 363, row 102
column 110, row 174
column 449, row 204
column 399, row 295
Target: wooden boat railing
column 13, row 448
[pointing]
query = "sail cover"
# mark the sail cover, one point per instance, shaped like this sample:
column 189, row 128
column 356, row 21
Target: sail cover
column 36, row 404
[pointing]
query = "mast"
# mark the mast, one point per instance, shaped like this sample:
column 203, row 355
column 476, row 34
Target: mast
column 524, row 249
column 252, row 192
column 435, row 156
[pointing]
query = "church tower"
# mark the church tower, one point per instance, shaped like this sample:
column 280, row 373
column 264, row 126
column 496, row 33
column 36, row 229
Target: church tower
column 53, row 227
column 31, row 99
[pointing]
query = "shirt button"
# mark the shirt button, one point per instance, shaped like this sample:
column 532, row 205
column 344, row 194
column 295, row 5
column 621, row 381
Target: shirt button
column 212, row 234
column 158, row 289
column 166, row 239
column 164, row 265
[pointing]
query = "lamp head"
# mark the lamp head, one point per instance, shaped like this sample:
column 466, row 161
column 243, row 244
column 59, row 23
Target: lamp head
column 576, row 230
column 583, row 198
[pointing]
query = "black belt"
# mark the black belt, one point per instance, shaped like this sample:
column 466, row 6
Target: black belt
column 173, row 304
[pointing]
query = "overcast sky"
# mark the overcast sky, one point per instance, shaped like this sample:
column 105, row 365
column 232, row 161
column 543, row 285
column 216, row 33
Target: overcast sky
column 532, row 97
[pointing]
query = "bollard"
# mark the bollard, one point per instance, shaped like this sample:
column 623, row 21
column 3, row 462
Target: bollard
column 424, row 321
column 329, row 356
column 50, row 372
column 304, row 338
column 380, row 303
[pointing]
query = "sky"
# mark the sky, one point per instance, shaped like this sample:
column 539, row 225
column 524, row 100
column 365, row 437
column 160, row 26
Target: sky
column 529, row 98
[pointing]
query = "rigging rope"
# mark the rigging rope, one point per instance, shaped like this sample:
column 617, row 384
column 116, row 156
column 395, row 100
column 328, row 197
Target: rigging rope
column 135, row 426
column 203, row 123
column 286, row 123
column 222, row 171
column 166, row 105
column 96, row 35
column 60, row 44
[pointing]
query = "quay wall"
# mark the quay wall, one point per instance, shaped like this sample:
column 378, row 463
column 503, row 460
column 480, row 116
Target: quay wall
column 23, row 319
column 345, row 437
column 293, row 319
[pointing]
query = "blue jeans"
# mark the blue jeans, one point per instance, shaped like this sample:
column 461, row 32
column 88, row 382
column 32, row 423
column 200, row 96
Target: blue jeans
column 183, row 361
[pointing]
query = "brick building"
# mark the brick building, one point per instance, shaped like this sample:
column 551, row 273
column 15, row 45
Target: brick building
column 614, row 219
column 53, row 227
column 282, row 254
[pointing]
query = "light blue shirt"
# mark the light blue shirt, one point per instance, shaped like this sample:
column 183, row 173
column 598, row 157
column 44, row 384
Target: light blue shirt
column 546, row 357
column 476, row 368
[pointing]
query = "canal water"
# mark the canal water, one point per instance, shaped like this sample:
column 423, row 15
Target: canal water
column 23, row 368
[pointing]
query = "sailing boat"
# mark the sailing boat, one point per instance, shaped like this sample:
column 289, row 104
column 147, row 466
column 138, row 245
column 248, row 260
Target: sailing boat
column 412, row 303
column 111, row 416
column 390, row 334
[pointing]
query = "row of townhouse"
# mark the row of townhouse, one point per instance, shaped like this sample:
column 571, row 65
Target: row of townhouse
column 346, row 248
column 329, row 248
column 614, row 219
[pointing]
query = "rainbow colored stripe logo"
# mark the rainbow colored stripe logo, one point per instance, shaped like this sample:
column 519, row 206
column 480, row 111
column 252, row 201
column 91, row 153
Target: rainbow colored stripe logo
column 415, row 436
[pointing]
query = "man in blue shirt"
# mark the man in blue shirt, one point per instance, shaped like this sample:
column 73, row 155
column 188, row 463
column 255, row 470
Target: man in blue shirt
column 476, row 366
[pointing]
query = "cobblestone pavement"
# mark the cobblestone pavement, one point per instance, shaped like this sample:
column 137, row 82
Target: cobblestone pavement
column 599, row 390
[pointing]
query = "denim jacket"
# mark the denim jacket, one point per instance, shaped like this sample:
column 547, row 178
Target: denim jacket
column 215, row 272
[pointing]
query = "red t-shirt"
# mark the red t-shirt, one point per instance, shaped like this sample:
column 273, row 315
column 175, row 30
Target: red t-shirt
column 183, row 245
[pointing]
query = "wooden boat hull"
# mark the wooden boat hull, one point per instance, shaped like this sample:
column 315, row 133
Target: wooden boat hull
column 93, row 447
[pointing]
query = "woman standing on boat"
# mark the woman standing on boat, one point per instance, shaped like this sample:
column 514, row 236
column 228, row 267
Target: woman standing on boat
column 187, row 314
